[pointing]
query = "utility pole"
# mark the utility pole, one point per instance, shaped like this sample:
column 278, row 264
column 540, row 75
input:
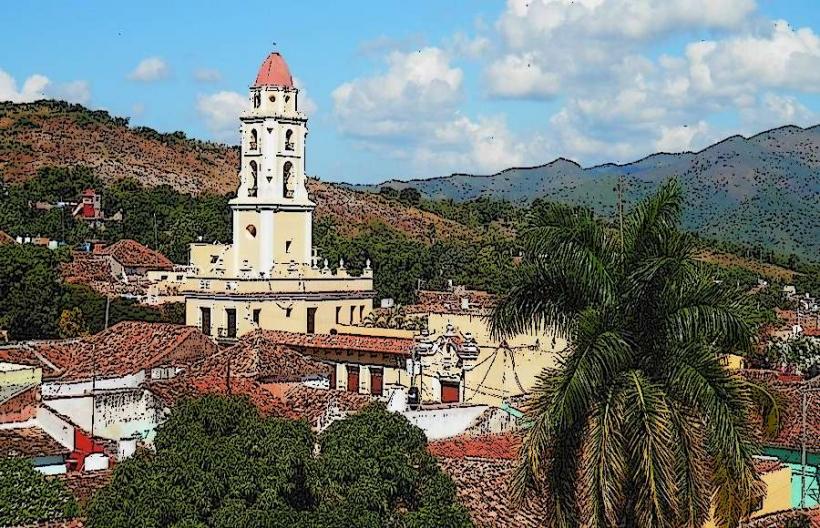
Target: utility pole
column 156, row 239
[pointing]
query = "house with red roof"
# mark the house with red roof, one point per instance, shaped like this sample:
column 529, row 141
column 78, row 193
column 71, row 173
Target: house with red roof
column 132, row 258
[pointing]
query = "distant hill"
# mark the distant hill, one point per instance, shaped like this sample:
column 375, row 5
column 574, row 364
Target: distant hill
column 763, row 190
column 53, row 133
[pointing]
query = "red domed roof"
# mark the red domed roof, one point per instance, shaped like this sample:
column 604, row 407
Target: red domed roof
column 274, row 72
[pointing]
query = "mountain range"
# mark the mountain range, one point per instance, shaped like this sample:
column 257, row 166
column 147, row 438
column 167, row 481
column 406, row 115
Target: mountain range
column 763, row 190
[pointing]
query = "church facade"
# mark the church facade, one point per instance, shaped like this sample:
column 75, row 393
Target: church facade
column 269, row 277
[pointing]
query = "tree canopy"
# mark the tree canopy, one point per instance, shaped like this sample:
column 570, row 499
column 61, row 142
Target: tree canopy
column 640, row 425
column 219, row 463
column 26, row 496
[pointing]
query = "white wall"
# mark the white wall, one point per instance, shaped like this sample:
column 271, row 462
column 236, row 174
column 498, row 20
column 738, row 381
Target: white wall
column 445, row 423
column 56, row 427
column 61, row 389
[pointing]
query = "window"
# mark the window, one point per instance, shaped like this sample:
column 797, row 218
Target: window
column 287, row 245
column 214, row 259
column 256, row 313
column 251, row 229
column 288, row 311
column 230, row 314
column 376, row 381
column 163, row 277
column 287, row 184
column 254, row 139
column 272, row 98
column 338, row 312
column 449, row 392
column 352, row 378
column 257, row 99
column 311, row 321
column 289, row 140
column 361, row 313
column 352, row 311
column 205, row 320
column 254, row 175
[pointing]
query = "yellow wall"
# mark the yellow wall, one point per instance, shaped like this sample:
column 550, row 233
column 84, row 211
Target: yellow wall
column 14, row 374
column 273, row 313
column 498, row 372
column 778, row 493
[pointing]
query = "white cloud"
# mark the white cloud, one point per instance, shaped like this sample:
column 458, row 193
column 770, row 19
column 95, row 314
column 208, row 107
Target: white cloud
column 683, row 138
column 39, row 86
column 221, row 113
column 150, row 69
column 305, row 102
column 207, row 75
column 461, row 45
column 521, row 76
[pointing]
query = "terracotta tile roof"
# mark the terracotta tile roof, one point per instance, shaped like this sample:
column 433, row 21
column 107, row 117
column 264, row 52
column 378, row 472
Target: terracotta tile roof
column 84, row 484
column 314, row 405
column 175, row 390
column 782, row 518
column 86, row 268
column 132, row 254
column 482, row 486
column 450, row 302
column 129, row 347
column 29, row 442
column 497, row 446
column 41, row 354
column 791, row 419
column 361, row 343
column 258, row 356
column 763, row 466
column 6, row 239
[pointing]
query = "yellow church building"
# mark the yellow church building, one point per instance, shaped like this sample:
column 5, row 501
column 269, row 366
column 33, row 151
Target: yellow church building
column 269, row 276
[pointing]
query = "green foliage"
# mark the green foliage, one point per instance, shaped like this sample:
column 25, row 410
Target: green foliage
column 662, row 429
column 26, row 496
column 219, row 464
column 29, row 287
column 799, row 354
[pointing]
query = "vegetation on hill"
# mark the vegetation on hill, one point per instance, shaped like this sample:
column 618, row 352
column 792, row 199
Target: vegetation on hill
column 640, row 425
column 34, row 304
column 28, row 497
column 219, row 463
column 758, row 191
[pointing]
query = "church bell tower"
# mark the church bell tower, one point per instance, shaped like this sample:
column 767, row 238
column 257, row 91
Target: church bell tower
column 272, row 214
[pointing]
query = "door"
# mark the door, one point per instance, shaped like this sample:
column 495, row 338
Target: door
column 311, row 321
column 332, row 378
column 449, row 392
column 352, row 378
column 376, row 381
column 205, row 317
column 231, row 315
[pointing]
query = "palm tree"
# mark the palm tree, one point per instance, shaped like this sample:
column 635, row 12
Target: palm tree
column 640, row 425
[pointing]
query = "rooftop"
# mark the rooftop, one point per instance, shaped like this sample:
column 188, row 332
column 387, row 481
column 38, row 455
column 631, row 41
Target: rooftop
column 132, row 254
column 274, row 71
column 361, row 343
column 258, row 356
column 496, row 447
column 29, row 442
column 129, row 347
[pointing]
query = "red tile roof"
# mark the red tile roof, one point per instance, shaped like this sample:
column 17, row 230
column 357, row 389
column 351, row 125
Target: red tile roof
column 175, row 390
column 482, row 485
column 258, row 356
column 361, row 343
column 789, row 395
column 763, row 466
column 274, row 72
column 450, row 302
column 86, row 268
column 129, row 347
column 315, row 404
column 783, row 518
column 36, row 354
column 132, row 254
column 29, row 442
column 498, row 447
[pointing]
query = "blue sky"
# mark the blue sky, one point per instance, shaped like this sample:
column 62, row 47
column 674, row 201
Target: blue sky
column 425, row 88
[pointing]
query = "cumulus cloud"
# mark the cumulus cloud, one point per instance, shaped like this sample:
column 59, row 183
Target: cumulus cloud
column 39, row 86
column 207, row 75
column 221, row 111
column 150, row 69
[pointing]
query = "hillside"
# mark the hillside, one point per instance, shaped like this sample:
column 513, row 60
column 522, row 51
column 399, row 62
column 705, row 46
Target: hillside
column 763, row 190
column 50, row 133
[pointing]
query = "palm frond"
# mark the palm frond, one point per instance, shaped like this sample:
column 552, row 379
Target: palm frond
column 652, row 218
column 692, row 467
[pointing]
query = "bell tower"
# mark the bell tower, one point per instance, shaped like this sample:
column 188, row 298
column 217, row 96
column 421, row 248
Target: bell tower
column 272, row 214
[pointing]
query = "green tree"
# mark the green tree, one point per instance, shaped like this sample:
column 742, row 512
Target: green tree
column 72, row 323
column 26, row 496
column 410, row 196
column 219, row 464
column 29, row 287
column 640, row 425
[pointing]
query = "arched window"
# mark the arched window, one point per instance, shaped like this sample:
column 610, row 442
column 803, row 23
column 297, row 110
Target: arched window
column 287, row 180
column 257, row 99
column 289, row 140
column 254, row 173
column 254, row 139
